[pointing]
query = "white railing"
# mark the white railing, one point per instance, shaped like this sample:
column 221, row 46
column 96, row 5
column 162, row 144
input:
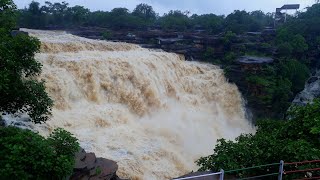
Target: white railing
column 221, row 174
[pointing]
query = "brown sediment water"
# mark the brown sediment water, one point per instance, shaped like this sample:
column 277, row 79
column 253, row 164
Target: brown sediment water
column 151, row 111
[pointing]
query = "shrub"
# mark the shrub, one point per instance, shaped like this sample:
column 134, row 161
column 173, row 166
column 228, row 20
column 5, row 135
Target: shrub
column 106, row 35
column 27, row 155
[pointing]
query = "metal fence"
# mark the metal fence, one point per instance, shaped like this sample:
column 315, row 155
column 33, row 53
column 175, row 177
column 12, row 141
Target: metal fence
column 220, row 174
column 281, row 173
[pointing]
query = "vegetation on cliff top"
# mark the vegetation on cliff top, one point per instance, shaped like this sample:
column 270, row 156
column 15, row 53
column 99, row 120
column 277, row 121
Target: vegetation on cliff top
column 143, row 16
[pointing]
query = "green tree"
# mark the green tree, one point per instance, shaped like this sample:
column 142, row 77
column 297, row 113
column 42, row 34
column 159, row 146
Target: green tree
column 20, row 91
column 175, row 20
column 285, row 49
column 299, row 44
column 27, row 155
column 290, row 44
column 296, row 72
column 145, row 12
column 78, row 15
column 7, row 14
column 228, row 38
column 293, row 140
column 210, row 22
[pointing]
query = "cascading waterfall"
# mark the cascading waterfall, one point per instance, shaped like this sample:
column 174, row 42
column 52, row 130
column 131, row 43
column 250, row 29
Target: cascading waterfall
column 151, row 111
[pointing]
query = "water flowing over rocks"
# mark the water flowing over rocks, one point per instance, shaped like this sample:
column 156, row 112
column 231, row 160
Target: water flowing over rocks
column 150, row 111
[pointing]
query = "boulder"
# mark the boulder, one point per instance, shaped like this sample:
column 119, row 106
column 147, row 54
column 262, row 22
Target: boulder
column 88, row 167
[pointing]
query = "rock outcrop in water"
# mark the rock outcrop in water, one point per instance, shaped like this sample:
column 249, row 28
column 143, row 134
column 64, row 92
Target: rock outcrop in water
column 144, row 109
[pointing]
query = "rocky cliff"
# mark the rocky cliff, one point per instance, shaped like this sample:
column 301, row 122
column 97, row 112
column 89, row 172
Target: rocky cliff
column 311, row 90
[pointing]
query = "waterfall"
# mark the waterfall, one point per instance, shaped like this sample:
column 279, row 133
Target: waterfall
column 151, row 111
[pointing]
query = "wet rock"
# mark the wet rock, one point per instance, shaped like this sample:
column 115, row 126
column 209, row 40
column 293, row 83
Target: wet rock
column 108, row 168
column 88, row 167
column 310, row 92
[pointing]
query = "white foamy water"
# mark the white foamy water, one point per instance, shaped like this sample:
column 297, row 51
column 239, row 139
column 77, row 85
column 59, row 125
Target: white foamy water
column 152, row 112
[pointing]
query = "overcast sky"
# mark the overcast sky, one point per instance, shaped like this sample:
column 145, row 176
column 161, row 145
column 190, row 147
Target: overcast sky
column 194, row 6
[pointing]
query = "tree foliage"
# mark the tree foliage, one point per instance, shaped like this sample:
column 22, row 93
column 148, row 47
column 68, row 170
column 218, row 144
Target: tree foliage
column 7, row 14
column 145, row 12
column 27, row 155
column 242, row 21
column 292, row 140
column 176, row 20
column 290, row 44
column 61, row 15
column 19, row 88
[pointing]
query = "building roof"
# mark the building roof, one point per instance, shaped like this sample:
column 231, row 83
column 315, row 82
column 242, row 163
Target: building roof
column 291, row 6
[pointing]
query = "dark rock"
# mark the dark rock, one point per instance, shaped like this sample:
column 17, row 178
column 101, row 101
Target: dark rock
column 90, row 160
column 108, row 167
column 88, row 167
column 81, row 155
column 312, row 80
column 2, row 122
column 18, row 32
column 254, row 60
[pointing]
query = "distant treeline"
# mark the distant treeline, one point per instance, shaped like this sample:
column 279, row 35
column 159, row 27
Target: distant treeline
column 143, row 16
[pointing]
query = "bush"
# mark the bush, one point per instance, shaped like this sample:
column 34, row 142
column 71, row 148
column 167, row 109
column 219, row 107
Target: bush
column 27, row 155
column 106, row 35
column 295, row 71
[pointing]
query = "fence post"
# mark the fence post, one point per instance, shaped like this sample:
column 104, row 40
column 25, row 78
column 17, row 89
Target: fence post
column 280, row 170
column 222, row 174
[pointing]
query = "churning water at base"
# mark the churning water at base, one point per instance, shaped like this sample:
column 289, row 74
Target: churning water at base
column 151, row 111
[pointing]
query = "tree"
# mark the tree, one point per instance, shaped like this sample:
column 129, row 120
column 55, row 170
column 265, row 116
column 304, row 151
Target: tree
column 211, row 22
column 299, row 44
column 7, row 14
column 78, row 15
column 241, row 21
column 27, row 155
column 296, row 72
column 20, row 91
column 228, row 38
column 292, row 140
column 145, row 11
column 175, row 20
